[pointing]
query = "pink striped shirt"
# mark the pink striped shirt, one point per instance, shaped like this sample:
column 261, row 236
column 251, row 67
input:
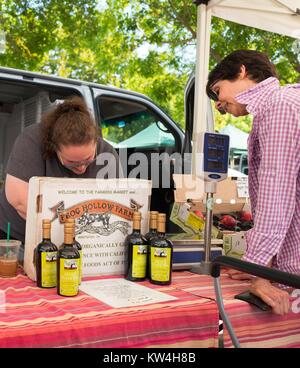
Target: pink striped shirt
column 274, row 174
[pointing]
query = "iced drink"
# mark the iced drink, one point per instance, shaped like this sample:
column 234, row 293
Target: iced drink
column 9, row 250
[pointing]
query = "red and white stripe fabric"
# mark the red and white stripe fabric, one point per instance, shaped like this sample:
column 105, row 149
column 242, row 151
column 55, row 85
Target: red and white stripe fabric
column 39, row 318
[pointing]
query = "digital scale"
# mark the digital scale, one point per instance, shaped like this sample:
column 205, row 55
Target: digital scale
column 215, row 149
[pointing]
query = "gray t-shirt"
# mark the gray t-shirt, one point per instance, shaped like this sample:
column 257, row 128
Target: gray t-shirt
column 26, row 161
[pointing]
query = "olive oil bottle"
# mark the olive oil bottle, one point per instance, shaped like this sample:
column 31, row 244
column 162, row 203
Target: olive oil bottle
column 68, row 265
column 161, row 254
column 78, row 246
column 137, row 251
column 152, row 226
column 45, row 259
column 152, row 233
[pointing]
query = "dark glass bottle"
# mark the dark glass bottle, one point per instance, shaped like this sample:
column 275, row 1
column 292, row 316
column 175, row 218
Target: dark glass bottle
column 78, row 246
column 137, row 251
column 45, row 259
column 68, row 265
column 161, row 255
column 152, row 227
column 152, row 233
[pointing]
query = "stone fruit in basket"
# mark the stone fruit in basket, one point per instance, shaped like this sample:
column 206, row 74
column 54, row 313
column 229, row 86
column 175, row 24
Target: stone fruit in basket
column 245, row 216
column 199, row 214
column 228, row 221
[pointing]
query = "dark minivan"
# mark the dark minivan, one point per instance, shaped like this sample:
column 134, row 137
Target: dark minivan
column 130, row 121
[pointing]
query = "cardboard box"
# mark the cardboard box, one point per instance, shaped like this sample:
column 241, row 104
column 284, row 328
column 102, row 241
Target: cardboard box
column 183, row 217
column 102, row 209
column 234, row 244
column 231, row 194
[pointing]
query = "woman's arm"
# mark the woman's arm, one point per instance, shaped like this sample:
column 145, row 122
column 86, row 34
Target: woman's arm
column 16, row 191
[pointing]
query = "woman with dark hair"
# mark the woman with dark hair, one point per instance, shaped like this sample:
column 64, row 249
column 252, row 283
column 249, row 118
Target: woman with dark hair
column 65, row 144
column 245, row 82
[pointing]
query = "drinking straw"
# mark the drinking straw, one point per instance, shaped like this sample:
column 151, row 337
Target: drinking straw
column 7, row 237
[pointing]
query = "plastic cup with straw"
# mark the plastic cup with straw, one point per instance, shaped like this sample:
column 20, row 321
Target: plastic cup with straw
column 9, row 255
column 7, row 239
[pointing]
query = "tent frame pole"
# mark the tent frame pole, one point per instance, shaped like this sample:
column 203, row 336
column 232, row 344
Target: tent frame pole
column 201, row 73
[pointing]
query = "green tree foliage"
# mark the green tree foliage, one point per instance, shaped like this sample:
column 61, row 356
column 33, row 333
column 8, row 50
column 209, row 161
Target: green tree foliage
column 144, row 45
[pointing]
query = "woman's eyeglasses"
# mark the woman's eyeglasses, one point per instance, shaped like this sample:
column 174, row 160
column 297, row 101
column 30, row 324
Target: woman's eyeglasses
column 215, row 97
column 74, row 165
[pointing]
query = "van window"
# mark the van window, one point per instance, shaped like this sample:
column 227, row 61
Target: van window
column 129, row 124
column 23, row 104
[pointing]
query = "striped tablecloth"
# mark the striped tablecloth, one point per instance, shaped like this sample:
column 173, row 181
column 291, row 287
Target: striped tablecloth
column 253, row 327
column 34, row 317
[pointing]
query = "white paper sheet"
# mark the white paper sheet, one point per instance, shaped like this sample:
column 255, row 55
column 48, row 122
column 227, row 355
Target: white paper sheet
column 242, row 187
column 119, row 293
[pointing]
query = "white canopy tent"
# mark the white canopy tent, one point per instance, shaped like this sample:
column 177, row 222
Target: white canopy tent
column 278, row 16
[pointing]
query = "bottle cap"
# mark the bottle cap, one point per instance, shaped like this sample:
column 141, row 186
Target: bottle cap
column 68, row 225
column 137, row 215
column 46, row 223
column 153, row 219
column 161, row 217
column 69, row 230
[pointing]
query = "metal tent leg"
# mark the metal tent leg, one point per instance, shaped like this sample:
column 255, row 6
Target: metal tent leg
column 223, row 314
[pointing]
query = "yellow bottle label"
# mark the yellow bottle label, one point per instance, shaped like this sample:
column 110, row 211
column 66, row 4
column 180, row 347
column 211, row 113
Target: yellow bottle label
column 80, row 267
column 139, row 260
column 48, row 269
column 160, row 259
column 69, row 276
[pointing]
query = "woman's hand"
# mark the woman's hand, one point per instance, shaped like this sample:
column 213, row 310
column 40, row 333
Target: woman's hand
column 278, row 299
